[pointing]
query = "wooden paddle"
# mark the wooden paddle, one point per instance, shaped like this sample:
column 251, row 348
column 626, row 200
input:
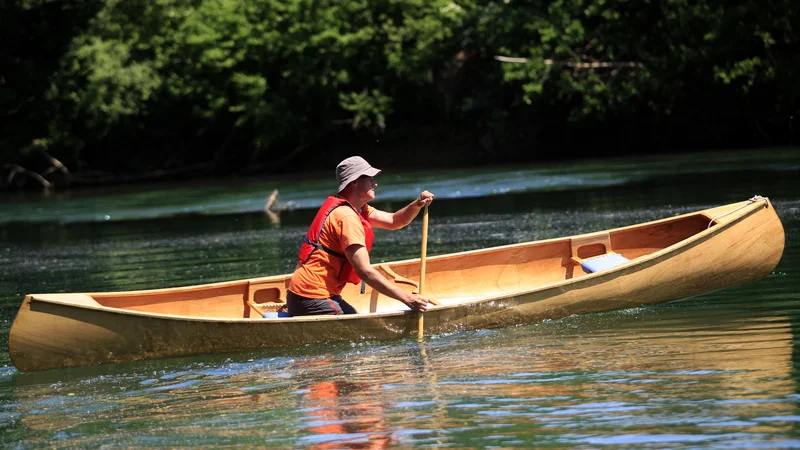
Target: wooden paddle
column 422, row 266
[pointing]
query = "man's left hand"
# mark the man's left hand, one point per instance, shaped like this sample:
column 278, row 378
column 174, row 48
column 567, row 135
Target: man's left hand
column 425, row 199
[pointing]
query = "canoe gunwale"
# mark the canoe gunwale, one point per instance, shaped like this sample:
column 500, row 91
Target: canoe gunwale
column 639, row 263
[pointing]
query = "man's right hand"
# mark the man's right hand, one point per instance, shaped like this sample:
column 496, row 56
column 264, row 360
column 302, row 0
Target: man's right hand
column 359, row 258
column 417, row 303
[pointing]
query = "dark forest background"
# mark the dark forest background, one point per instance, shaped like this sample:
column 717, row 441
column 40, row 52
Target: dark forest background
column 116, row 91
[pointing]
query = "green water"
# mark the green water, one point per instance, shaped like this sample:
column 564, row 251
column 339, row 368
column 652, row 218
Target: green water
column 714, row 371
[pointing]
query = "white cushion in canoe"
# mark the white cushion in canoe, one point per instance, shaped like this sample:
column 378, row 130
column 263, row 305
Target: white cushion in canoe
column 603, row 262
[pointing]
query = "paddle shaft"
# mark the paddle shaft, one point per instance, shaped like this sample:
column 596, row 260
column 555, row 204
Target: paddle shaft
column 422, row 265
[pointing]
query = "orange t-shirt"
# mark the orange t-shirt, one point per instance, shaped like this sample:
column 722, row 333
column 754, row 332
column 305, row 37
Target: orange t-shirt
column 319, row 276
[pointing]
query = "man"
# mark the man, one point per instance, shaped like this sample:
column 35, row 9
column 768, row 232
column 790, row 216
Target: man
column 336, row 247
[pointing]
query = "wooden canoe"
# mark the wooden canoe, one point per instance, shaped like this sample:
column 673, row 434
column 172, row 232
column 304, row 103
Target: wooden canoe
column 667, row 259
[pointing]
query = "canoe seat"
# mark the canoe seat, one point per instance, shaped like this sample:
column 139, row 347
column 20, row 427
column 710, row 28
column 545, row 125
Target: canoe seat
column 266, row 299
column 585, row 247
column 603, row 262
column 271, row 309
column 593, row 253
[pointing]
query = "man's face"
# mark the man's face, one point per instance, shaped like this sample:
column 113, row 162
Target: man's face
column 365, row 186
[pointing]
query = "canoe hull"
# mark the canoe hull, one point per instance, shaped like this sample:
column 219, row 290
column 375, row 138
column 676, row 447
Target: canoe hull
column 49, row 334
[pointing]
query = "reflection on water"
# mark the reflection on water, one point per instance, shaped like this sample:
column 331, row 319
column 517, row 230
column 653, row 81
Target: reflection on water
column 719, row 370
column 650, row 376
column 336, row 418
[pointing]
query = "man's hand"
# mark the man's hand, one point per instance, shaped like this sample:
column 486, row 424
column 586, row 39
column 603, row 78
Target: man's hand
column 417, row 302
column 359, row 257
column 425, row 198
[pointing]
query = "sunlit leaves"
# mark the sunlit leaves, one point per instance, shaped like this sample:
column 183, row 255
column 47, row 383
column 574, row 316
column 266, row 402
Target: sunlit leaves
column 104, row 82
column 369, row 109
column 417, row 31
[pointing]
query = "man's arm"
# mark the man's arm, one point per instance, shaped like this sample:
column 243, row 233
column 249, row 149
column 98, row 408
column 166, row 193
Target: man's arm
column 359, row 259
column 402, row 217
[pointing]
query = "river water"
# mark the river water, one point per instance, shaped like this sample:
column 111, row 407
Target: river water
column 714, row 371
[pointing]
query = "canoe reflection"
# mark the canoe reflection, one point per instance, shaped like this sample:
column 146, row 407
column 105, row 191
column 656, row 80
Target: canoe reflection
column 697, row 366
column 339, row 416
column 735, row 360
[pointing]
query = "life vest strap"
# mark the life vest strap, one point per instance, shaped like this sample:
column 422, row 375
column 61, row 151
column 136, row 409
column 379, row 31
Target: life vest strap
column 319, row 246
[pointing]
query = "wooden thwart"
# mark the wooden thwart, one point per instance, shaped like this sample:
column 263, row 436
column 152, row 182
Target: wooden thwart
column 396, row 278
column 391, row 275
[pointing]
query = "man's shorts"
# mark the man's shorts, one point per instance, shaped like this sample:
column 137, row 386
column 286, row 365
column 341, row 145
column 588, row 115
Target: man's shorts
column 303, row 306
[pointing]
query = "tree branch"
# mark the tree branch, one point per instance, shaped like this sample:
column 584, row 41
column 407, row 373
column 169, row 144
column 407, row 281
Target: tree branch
column 573, row 64
column 14, row 170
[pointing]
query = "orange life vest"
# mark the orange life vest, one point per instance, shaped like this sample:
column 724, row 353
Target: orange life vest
column 311, row 240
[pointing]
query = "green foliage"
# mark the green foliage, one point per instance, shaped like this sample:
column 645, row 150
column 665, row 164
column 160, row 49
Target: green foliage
column 102, row 83
column 140, row 85
column 369, row 109
column 576, row 52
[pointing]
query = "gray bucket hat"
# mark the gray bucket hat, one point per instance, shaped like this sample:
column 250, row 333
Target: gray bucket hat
column 351, row 168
